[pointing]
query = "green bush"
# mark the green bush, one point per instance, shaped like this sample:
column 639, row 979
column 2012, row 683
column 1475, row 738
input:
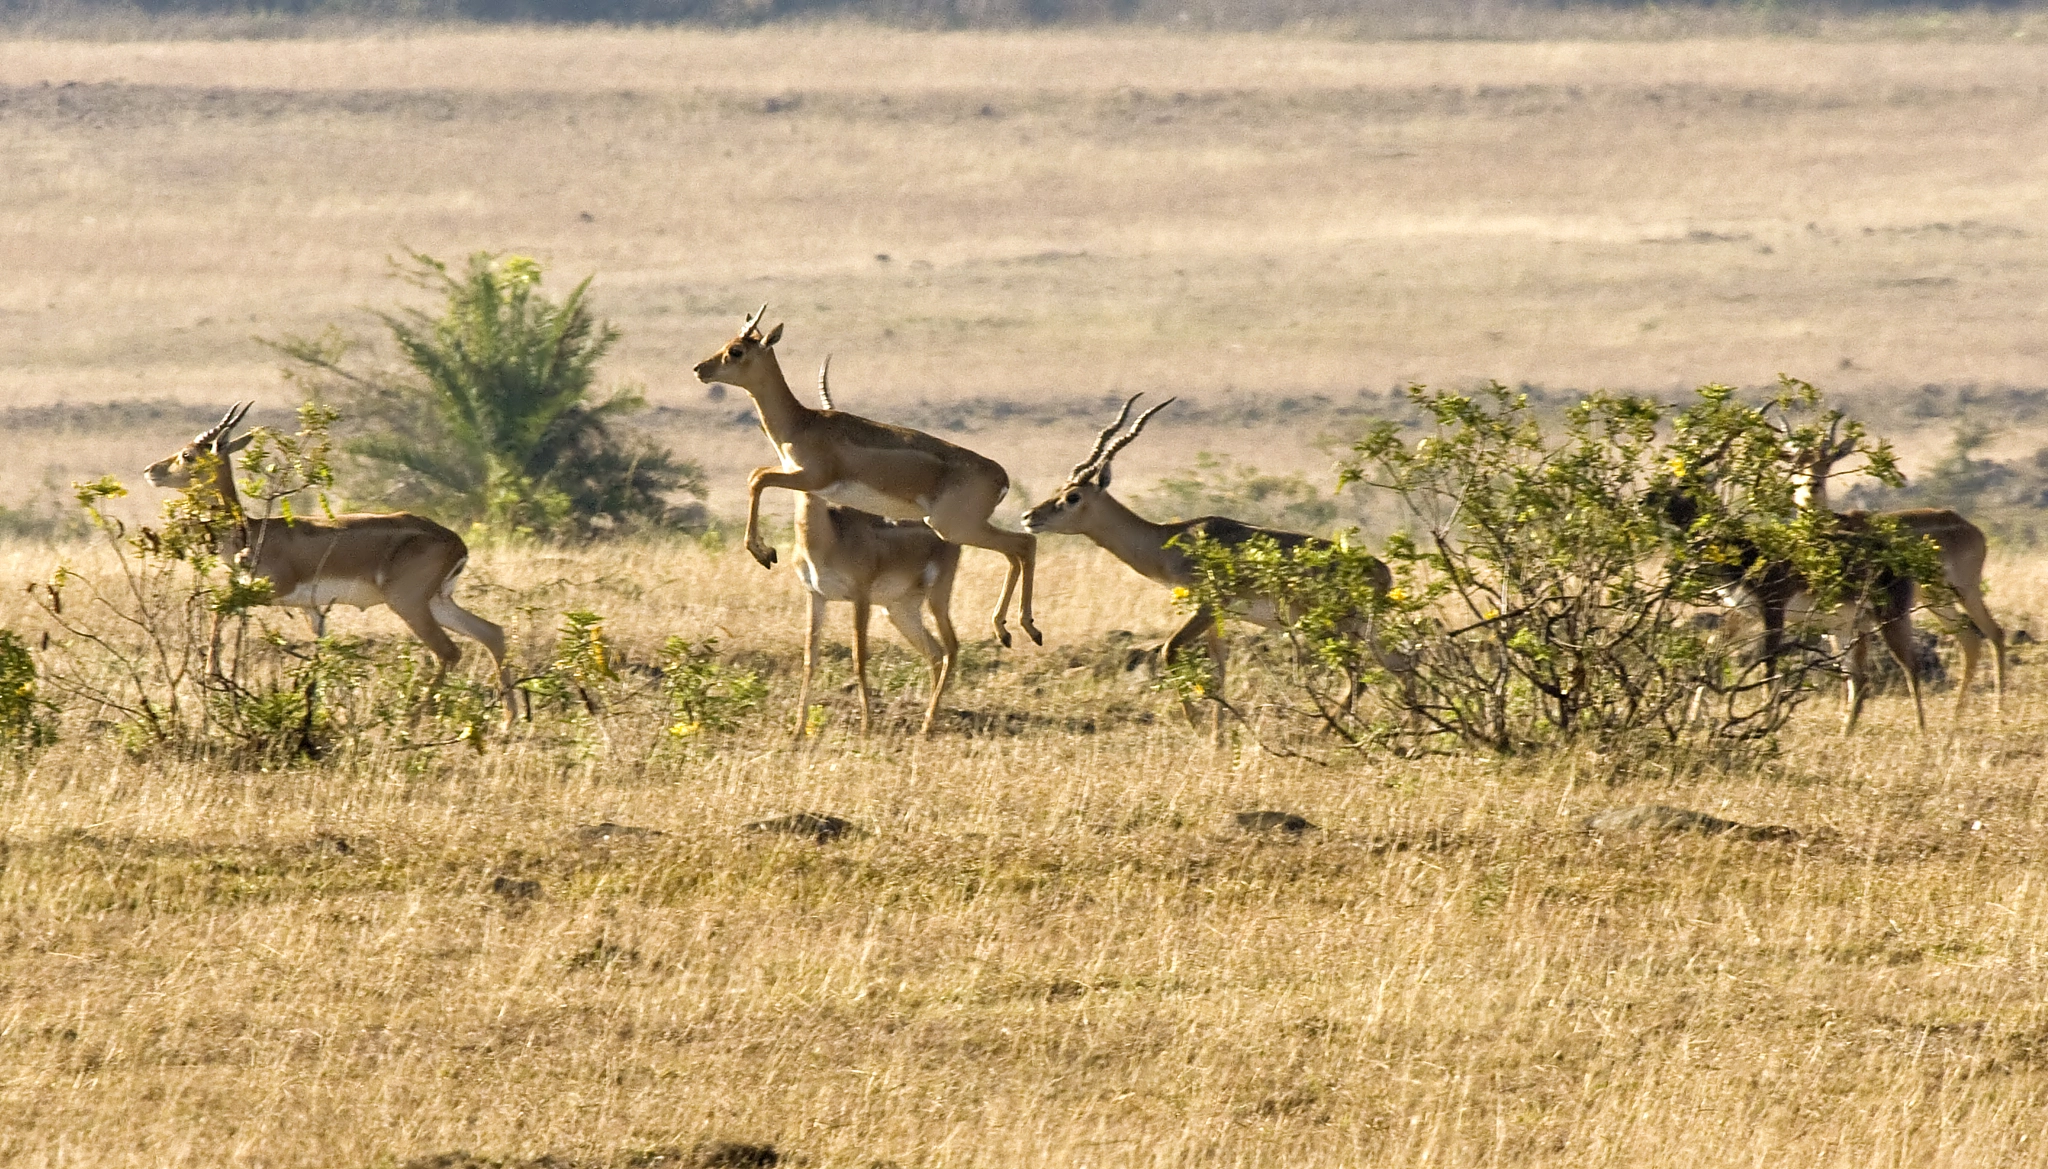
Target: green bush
column 24, row 722
column 494, row 419
column 1541, row 589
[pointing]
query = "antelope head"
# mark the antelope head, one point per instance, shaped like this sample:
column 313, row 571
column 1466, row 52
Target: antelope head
column 1813, row 460
column 1067, row 510
column 739, row 356
column 176, row 471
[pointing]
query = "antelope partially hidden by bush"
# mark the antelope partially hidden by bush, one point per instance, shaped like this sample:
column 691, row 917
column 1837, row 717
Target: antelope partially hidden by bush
column 1961, row 545
column 405, row 561
column 1159, row 552
column 893, row 471
column 844, row 554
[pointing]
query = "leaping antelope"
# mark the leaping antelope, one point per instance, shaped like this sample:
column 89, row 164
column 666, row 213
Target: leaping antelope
column 897, row 472
column 1083, row 506
column 1959, row 542
column 844, row 554
column 405, row 561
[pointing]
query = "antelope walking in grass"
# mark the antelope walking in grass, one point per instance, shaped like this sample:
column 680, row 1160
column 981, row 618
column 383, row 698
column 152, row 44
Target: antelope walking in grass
column 1159, row 552
column 405, row 561
column 1959, row 542
column 893, row 471
column 845, row 554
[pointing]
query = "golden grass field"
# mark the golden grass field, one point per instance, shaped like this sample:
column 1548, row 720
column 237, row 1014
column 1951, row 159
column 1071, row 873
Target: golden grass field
column 1054, row 947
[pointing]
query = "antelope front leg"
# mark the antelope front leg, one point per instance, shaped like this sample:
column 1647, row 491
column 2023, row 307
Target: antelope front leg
column 860, row 661
column 801, row 479
column 803, row 694
column 1200, row 627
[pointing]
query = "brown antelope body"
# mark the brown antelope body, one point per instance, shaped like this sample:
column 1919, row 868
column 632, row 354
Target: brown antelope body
column 891, row 471
column 1960, row 544
column 845, row 554
column 405, row 561
column 1083, row 506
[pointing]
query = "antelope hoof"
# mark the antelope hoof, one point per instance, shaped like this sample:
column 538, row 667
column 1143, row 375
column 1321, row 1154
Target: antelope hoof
column 765, row 555
column 1003, row 636
column 1037, row 638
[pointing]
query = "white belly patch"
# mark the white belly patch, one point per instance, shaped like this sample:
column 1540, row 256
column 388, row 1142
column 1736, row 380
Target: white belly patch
column 322, row 591
column 848, row 493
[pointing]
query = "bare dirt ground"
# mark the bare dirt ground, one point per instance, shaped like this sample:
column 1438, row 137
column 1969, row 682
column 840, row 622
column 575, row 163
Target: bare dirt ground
column 1036, row 222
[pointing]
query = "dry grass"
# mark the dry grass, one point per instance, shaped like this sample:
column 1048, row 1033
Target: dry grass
column 1054, row 948
column 1251, row 221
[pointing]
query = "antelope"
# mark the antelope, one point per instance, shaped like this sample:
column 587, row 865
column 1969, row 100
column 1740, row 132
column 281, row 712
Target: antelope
column 894, row 471
column 1779, row 593
column 405, row 561
column 1159, row 552
column 844, row 554
column 1960, row 544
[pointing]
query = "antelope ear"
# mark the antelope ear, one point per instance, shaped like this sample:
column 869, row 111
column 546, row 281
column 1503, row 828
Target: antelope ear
column 774, row 335
column 236, row 445
column 1102, row 477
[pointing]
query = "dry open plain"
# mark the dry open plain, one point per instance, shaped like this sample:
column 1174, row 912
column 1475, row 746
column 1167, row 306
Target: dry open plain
column 993, row 232
column 1054, row 946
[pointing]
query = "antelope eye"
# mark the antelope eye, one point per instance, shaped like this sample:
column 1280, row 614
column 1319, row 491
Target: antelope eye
column 1073, row 497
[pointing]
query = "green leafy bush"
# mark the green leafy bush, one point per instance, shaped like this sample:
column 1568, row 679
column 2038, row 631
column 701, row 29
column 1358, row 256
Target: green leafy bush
column 24, row 721
column 494, row 418
column 703, row 693
column 1546, row 583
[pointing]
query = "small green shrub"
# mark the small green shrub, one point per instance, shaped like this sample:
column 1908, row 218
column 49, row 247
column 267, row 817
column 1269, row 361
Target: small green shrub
column 703, row 693
column 24, row 721
column 1217, row 485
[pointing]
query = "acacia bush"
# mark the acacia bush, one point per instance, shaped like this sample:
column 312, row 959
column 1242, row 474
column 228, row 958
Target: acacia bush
column 494, row 418
column 1549, row 580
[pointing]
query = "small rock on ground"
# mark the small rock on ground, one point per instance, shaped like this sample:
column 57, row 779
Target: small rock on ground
column 1286, row 822
column 607, row 831
column 732, row 1155
column 515, row 888
column 823, row 829
column 1667, row 819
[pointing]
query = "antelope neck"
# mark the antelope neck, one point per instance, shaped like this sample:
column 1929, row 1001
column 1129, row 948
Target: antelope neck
column 1136, row 541
column 780, row 411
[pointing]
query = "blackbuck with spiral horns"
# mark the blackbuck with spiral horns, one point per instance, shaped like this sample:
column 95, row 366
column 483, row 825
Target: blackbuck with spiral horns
column 1960, row 544
column 405, row 561
column 845, row 554
column 1159, row 552
column 891, row 471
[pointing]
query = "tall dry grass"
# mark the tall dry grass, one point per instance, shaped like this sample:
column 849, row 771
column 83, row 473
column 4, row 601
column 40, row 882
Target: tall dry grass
column 1054, row 947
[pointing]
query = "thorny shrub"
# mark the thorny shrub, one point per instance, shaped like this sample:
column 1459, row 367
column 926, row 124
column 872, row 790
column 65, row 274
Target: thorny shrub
column 1548, row 582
